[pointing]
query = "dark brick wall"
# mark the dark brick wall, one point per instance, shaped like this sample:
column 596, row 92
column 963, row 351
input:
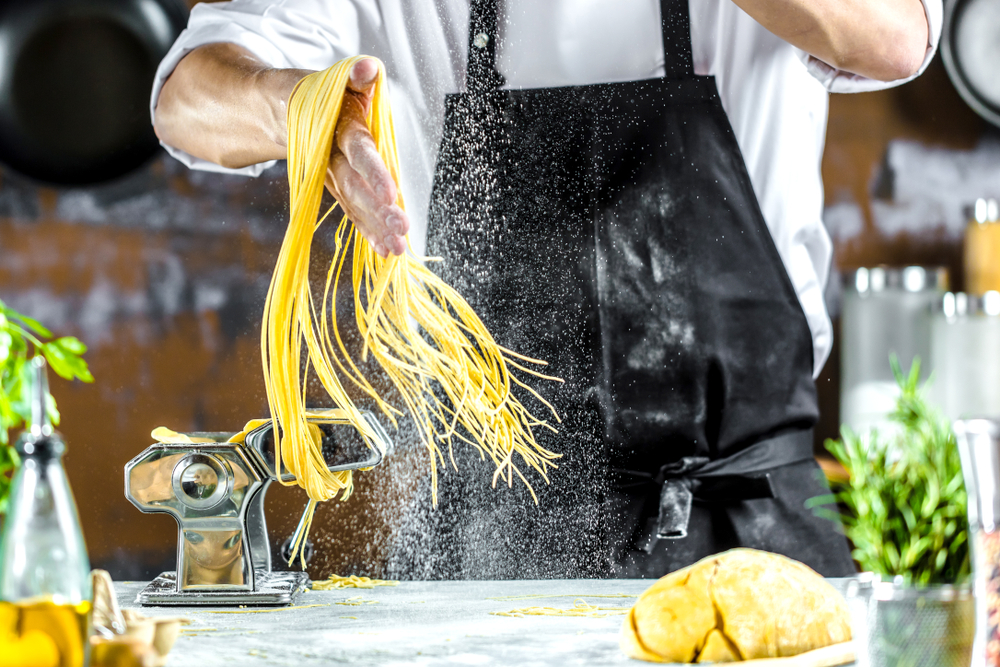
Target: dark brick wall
column 163, row 274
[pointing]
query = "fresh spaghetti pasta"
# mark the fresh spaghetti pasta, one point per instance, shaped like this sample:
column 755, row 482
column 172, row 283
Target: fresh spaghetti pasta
column 336, row 581
column 450, row 374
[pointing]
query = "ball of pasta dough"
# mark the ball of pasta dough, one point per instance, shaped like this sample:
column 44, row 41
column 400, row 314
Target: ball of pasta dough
column 738, row 605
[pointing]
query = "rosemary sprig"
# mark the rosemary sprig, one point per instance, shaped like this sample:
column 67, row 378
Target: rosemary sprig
column 904, row 503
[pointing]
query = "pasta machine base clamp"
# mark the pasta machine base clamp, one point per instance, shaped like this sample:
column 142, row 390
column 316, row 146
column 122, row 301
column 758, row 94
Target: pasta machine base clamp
column 272, row 589
column 215, row 490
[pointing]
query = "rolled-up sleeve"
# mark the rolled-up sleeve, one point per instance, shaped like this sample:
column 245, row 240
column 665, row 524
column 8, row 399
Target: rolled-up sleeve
column 839, row 81
column 308, row 34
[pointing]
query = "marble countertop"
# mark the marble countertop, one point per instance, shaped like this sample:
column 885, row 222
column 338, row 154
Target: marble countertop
column 414, row 623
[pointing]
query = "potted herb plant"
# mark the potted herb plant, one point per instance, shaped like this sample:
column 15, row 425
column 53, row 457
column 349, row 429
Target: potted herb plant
column 903, row 507
column 22, row 338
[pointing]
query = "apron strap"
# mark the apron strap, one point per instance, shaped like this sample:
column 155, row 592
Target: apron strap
column 482, row 74
column 675, row 20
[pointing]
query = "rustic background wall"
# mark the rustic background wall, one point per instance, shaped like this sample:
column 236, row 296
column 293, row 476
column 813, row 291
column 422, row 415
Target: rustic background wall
column 163, row 274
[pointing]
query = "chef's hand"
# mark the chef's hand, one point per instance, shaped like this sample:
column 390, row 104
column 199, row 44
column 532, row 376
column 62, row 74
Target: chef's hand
column 225, row 105
column 358, row 177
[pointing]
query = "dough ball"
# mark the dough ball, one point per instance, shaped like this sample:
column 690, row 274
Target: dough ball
column 739, row 605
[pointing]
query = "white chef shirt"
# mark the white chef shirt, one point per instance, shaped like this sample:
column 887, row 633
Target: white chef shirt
column 774, row 94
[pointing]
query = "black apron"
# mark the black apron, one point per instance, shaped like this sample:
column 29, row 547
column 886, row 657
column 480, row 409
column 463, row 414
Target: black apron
column 612, row 230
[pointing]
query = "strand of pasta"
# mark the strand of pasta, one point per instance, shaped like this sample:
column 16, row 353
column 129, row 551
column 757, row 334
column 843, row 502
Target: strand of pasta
column 451, row 375
column 335, row 581
column 507, row 598
column 580, row 608
column 260, row 611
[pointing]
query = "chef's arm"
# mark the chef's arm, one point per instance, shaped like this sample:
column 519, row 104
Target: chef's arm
column 224, row 105
column 884, row 40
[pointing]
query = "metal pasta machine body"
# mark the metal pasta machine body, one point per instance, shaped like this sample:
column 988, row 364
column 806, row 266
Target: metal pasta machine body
column 214, row 485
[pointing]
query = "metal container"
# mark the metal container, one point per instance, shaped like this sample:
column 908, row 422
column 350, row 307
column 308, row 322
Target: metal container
column 885, row 311
column 979, row 445
column 895, row 625
column 965, row 354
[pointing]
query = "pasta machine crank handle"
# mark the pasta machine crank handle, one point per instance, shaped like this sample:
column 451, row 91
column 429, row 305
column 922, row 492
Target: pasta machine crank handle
column 306, row 548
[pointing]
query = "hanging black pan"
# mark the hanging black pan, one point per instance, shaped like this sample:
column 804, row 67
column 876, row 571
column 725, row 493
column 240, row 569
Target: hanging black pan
column 970, row 48
column 75, row 77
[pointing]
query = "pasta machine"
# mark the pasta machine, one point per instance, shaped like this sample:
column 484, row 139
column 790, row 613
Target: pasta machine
column 214, row 485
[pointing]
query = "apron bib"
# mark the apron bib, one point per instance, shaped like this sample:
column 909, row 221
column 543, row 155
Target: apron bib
column 612, row 230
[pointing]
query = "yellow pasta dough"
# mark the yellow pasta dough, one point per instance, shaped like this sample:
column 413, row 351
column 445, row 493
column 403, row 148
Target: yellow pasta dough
column 739, row 605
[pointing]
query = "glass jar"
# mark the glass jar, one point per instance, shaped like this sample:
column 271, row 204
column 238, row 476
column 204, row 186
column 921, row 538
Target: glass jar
column 982, row 248
column 886, row 311
column 965, row 354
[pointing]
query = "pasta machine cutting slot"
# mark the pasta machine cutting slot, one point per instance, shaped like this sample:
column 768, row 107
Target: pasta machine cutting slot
column 214, row 485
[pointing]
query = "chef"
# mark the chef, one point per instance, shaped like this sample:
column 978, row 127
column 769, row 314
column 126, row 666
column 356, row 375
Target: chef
column 628, row 189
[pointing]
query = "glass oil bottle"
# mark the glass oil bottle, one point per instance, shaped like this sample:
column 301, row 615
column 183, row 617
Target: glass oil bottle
column 44, row 570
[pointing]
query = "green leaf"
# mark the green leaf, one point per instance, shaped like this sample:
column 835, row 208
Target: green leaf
column 58, row 361
column 64, row 358
column 8, row 464
column 52, row 410
column 70, row 344
column 8, row 459
column 909, row 517
column 915, row 551
column 33, row 324
column 819, row 501
column 825, row 513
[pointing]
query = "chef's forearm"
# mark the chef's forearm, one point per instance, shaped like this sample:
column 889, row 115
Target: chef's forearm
column 881, row 39
column 224, row 105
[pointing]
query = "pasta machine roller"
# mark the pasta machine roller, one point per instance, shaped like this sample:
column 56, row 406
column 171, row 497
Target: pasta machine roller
column 214, row 485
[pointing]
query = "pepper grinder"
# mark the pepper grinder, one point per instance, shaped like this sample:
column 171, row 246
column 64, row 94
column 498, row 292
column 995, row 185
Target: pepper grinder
column 979, row 447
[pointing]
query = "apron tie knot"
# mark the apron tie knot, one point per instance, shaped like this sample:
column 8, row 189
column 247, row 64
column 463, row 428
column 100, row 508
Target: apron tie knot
column 682, row 483
column 741, row 476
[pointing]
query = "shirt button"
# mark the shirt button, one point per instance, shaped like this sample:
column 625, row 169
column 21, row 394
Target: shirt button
column 480, row 40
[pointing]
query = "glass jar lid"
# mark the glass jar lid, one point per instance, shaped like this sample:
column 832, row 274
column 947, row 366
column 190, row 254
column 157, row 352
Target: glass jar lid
column 868, row 280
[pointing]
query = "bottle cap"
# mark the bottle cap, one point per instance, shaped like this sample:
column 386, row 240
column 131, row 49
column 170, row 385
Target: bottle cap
column 40, row 439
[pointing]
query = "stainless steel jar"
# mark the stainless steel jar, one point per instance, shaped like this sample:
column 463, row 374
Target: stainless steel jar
column 896, row 625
